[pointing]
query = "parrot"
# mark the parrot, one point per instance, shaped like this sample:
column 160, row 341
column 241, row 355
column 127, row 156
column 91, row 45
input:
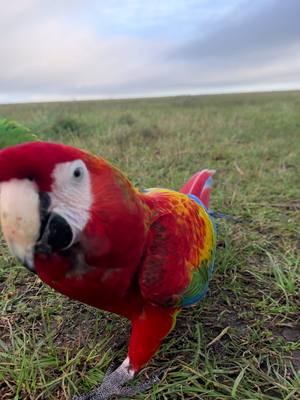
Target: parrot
column 77, row 221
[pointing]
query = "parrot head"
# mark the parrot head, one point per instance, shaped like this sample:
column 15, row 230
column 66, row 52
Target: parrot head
column 54, row 198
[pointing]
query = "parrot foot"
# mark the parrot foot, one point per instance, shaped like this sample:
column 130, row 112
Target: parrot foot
column 113, row 384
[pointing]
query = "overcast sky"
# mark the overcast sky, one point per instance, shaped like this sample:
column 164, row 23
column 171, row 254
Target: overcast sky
column 79, row 49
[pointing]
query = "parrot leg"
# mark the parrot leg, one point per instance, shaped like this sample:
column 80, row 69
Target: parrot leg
column 148, row 330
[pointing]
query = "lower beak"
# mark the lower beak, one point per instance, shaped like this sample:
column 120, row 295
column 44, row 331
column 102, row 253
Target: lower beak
column 57, row 235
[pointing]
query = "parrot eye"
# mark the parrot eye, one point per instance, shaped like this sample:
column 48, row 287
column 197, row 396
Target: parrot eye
column 71, row 174
column 78, row 172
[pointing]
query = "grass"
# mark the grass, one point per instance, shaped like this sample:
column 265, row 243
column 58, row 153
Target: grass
column 243, row 341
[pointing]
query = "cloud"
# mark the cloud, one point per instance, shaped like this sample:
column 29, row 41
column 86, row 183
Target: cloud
column 158, row 18
column 259, row 43
column 258, row 28
column 55, row 57
column 68, row 50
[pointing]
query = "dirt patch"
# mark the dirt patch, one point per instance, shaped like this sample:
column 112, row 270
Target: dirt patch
column 289, row 205
column 291, row 334
column 296, row 360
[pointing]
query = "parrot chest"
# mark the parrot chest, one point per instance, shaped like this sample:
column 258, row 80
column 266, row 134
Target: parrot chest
column 102, row 286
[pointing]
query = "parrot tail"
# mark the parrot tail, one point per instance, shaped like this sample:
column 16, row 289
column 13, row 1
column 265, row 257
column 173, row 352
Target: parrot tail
column 200, row 185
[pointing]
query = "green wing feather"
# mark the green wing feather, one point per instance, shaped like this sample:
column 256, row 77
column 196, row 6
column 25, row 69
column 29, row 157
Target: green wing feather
column 198, row 287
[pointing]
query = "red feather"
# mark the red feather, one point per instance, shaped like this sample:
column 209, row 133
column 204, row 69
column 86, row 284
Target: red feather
column 199, row 185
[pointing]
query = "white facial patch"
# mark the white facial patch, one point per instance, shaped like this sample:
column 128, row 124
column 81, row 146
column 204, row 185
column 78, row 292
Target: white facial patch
column 20, row 217
column 71, row 195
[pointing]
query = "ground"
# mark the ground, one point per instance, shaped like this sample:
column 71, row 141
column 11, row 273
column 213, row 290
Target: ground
column 241, row 342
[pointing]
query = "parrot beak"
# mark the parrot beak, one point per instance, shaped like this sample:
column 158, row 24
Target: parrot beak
column 20, row 218
column 28, row 225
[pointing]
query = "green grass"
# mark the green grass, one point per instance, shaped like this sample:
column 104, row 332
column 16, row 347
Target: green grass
column 243, row 341
column 12, row 133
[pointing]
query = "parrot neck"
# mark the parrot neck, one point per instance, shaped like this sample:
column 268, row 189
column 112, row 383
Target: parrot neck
column 153, row 206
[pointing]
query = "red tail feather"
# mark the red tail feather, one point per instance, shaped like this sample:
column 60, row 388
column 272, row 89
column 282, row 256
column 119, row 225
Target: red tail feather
column 200, row 185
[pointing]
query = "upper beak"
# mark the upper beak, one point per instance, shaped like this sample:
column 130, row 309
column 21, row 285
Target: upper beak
column 29, row 264
column 20, row 218
column 28, row 225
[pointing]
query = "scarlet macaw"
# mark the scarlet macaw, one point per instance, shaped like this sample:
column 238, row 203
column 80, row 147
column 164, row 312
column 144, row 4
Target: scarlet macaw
column 77, row 221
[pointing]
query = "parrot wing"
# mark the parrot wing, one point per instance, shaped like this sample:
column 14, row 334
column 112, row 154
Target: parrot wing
column 180, row 256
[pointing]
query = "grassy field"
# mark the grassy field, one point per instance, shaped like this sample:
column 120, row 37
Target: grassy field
column 243, row 341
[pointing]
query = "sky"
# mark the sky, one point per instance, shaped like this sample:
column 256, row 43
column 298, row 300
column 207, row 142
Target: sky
column 94, row 49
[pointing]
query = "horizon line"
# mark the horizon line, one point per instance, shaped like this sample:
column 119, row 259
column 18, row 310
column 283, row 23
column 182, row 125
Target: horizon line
column 70, row 99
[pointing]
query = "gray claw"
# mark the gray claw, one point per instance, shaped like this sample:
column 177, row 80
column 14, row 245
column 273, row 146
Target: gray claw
column 106, row 390
column 80, row 397
column 139, row 388
column 111, row 368
column 115, row 384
